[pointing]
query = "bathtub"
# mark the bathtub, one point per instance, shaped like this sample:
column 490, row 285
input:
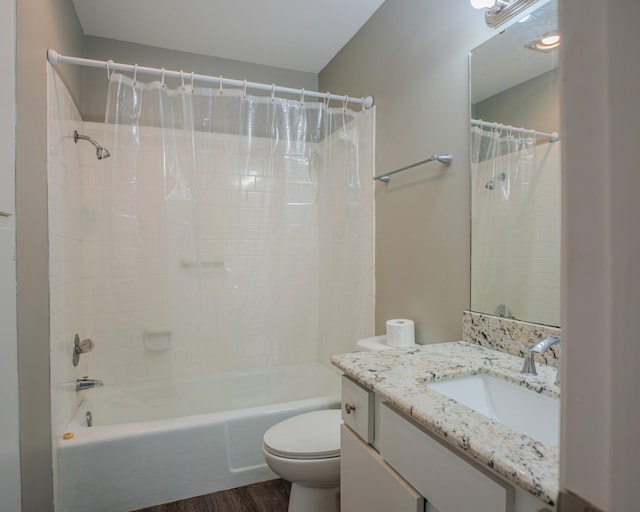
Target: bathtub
column 165, row 440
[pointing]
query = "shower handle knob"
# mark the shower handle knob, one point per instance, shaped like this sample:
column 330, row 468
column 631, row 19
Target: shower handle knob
column 349, row 408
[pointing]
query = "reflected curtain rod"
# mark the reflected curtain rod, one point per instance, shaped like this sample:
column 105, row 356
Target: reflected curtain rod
column 56, row 58
column 553, row 137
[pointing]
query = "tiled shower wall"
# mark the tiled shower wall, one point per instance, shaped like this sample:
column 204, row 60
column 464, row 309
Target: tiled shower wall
column 205, row 284
column 65, row 251
column 182, row 278
column 524, row 275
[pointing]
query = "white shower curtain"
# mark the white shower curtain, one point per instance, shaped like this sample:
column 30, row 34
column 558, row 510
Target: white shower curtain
column 501, row 187
column 239, row 227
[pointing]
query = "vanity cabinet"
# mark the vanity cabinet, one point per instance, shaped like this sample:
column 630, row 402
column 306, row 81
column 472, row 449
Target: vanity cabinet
column 411, row 469
column 450, row 482
column 368, row 483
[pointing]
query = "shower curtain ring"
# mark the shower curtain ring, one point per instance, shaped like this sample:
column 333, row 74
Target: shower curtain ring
column 273, row 92
column 162, row 77
column 135, row 72
column 244, row 89
column 192, row 81
column 182, row 78
column 327, row 99
column 363, row 104
column 302, row 97
column 109, row 62
column 220, row 84
column 344, row 103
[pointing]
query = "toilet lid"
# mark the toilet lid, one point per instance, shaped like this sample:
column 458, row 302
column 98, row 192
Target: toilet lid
column 313, row 435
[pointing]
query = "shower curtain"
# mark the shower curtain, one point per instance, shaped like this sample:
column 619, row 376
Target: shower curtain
column 238, row 228
column 502, row 165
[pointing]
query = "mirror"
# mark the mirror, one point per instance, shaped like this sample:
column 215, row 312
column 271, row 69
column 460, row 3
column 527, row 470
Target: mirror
column 515, row 171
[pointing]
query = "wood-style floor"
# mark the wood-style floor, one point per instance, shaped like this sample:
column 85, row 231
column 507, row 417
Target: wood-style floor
column 271, row 496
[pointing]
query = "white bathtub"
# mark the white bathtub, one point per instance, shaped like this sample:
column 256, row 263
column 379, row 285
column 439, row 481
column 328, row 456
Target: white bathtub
column 162, row 441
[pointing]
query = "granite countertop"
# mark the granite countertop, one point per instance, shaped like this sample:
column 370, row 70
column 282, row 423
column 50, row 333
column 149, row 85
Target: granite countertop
column 400, row 376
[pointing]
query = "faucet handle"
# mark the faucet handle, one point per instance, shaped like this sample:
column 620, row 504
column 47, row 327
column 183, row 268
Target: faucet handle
column 81, row 347
column 86, row 346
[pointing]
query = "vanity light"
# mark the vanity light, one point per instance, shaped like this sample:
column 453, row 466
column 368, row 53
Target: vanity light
column 483, row 4
column 499, row 11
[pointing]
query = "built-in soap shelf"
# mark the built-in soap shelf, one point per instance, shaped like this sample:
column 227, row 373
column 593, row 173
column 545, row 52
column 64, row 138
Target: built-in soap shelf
column 157, row 340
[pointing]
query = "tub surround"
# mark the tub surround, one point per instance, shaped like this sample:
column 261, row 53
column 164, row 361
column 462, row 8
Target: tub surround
column 400, row 376
column 507, row 335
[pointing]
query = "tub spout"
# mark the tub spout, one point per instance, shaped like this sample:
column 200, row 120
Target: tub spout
column 87, row 383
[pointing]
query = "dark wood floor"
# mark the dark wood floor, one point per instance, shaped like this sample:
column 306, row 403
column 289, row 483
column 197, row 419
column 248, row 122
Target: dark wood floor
column 271, row 496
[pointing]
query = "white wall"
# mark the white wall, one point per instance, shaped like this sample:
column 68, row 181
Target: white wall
column 65, row 255
column 9, row 418
column 600, row 446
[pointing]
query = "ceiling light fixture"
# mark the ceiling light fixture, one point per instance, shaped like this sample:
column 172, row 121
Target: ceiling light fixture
column 545, row 43
column 499, row 11
column 551, row 40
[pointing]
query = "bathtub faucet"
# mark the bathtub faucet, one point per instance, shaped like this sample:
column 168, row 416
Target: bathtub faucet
column 87, row 383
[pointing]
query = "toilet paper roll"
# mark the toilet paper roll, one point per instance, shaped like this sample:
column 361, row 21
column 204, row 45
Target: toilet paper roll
column 400, row 333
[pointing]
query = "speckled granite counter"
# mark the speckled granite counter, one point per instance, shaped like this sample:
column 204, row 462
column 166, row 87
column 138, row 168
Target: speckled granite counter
column 400, row 376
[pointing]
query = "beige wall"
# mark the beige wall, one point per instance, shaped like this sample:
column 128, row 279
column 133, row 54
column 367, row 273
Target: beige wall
column 40, row 24
column 412, row 56
column 95, row 80
column 534, row 104
column 9, row 404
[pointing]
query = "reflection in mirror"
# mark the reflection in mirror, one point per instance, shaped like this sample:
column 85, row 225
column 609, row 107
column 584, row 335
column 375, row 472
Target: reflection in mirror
column 515, row 171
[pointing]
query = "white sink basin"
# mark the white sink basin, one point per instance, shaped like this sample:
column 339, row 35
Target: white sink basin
column 521, row 409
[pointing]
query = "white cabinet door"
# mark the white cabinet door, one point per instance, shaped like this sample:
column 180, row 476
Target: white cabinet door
column 445, row 479
column 367, row 483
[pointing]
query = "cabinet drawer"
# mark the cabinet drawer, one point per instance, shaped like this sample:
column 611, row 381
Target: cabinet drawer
column 357, row 408
column 368, row 483
column 452, row 483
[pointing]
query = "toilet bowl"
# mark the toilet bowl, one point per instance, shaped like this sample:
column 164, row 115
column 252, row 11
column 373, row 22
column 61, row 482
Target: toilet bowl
column 305, row 450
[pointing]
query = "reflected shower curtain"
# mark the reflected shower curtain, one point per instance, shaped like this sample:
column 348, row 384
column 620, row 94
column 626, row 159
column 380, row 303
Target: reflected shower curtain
column 239, row 227
column 502, row 167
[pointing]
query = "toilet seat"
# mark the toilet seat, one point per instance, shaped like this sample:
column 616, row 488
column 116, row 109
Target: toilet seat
column 313, row 435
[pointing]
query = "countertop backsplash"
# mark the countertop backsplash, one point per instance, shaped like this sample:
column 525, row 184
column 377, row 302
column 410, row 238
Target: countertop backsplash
column 508, row 335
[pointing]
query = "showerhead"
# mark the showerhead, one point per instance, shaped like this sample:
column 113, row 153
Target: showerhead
column 101, row 152
column 490, row 185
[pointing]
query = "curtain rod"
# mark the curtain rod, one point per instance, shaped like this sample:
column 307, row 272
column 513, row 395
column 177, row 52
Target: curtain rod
column 56, row 58
column 553, row 137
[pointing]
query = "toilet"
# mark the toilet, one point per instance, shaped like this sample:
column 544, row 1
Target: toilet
column 305, row 450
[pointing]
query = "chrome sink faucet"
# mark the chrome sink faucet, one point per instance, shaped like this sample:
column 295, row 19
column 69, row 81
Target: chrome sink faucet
column 540, row 347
